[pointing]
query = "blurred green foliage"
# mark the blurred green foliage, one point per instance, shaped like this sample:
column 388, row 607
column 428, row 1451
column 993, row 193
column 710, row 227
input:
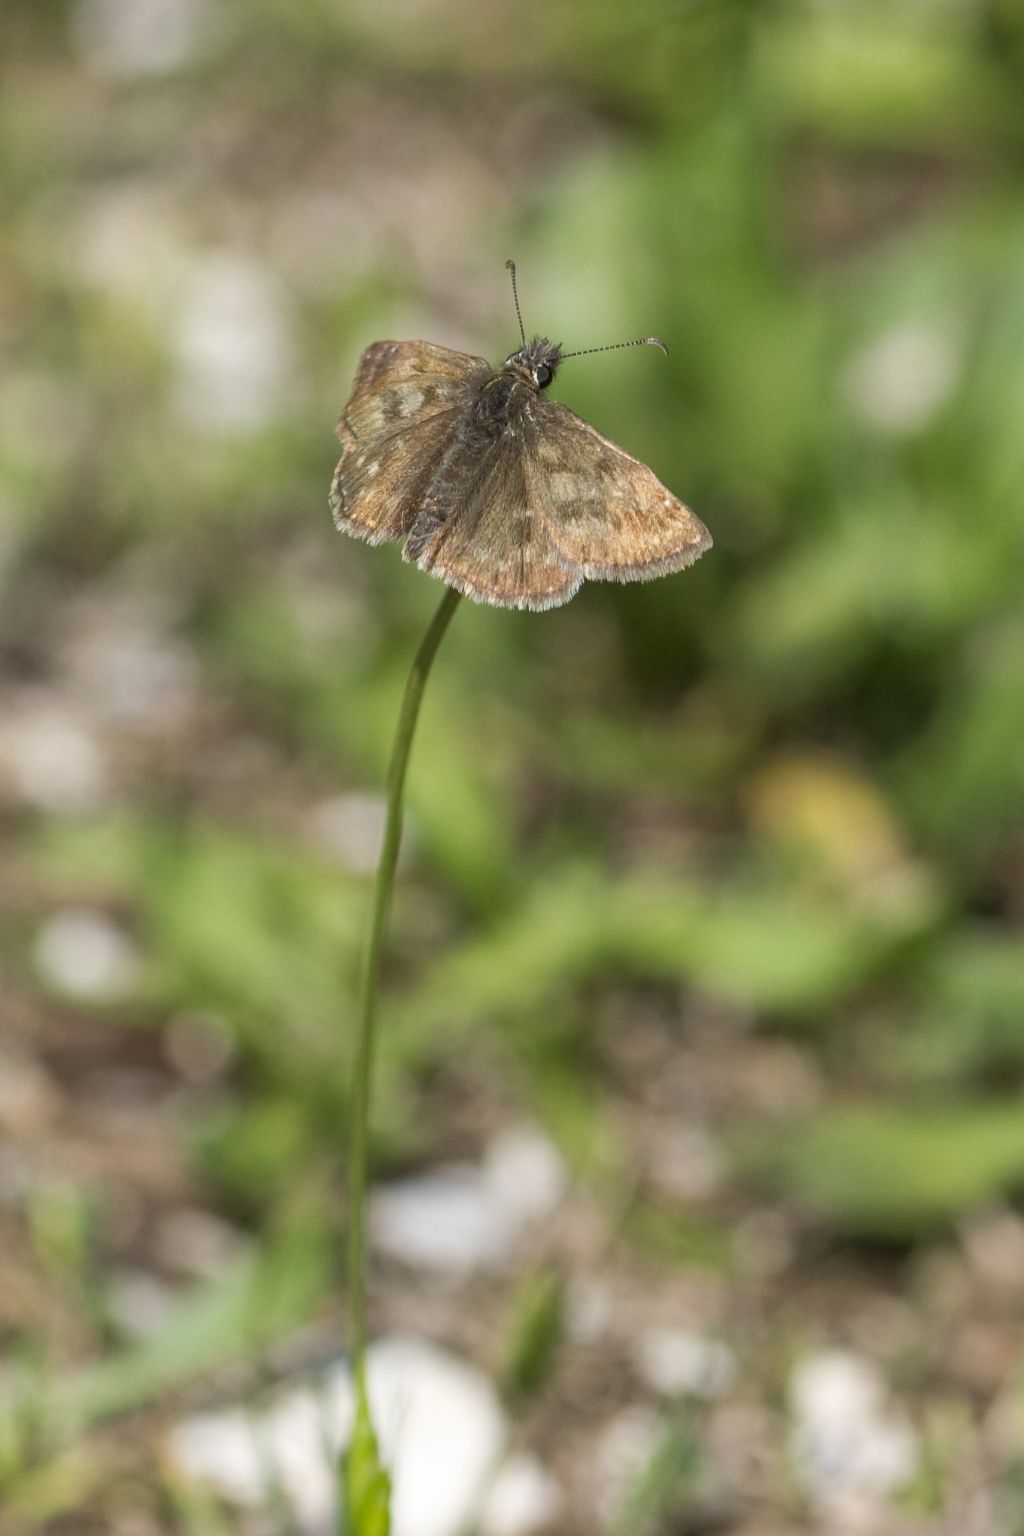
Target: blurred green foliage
column 895, row 1173
column 533, row 1332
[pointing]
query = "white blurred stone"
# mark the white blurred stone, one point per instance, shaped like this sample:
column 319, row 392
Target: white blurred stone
column 295, row 1433
column 465, row 1217
column 441, row 1428
column 590, row 1310
column 350, row 828
column 850, row 1449
column 442, row 1431
column 901, row 379
column 526, row 1173
column 196, row 1243
column 125, row 669
column 49, row 758
column 524, row 1498
column 678, row 1362
column 129, row 38
column 129, row 240
column 233, row 342
column 83, row 954
column 623, row 1451
column 223, row 1450
column 447, row 1220
column 139, row 1304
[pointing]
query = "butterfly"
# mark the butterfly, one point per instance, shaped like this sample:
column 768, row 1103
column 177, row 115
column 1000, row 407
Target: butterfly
column 504, row 494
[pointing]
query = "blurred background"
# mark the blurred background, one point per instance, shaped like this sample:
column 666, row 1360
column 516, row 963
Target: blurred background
column 699, row 1133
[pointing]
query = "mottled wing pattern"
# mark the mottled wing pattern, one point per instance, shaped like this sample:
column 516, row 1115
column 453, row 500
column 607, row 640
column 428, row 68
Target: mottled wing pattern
column 480, row 532
column 395, row 431
column 608, row 514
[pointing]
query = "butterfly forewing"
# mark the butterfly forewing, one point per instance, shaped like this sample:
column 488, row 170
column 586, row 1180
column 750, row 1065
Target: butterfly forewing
column 608, row 513
column 394, row 433
column 483, row 535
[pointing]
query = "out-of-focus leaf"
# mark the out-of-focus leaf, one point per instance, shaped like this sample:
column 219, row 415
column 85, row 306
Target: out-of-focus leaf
column 968, row 1021
column 842, row 593
column 962, row 781
column 258, row 1299
column 667, row 1483
column 254, row 1151
column 881, row 1171
column 688, row 1237
column 534, row 1332
column 889, row 76
column 764, row 946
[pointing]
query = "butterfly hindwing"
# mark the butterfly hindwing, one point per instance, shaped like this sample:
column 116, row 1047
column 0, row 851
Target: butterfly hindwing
column 608, row 513
column 480, row 532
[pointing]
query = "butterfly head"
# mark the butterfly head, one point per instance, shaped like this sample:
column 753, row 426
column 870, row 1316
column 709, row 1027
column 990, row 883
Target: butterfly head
column 537, row 360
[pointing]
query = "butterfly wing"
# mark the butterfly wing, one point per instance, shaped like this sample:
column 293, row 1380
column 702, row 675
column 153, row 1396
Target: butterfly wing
column 607, row 512
column 480, row 532
column 394, row 432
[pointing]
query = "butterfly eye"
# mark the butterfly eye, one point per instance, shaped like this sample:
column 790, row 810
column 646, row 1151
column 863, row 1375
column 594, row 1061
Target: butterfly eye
column 542, row 375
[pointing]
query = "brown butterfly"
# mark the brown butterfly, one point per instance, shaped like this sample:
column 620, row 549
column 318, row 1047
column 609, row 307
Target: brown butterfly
column 502, row 493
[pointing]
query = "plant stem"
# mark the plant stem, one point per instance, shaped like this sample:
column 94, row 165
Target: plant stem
column 382, row 891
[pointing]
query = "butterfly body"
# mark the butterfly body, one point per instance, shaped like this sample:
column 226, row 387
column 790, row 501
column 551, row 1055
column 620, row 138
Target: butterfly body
column 504, row 494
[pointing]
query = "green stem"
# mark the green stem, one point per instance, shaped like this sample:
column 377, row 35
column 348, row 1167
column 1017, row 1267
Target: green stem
column 382, row 890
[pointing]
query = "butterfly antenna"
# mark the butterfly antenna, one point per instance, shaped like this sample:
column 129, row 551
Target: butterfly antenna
column 639, row 341
column 511, row 266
